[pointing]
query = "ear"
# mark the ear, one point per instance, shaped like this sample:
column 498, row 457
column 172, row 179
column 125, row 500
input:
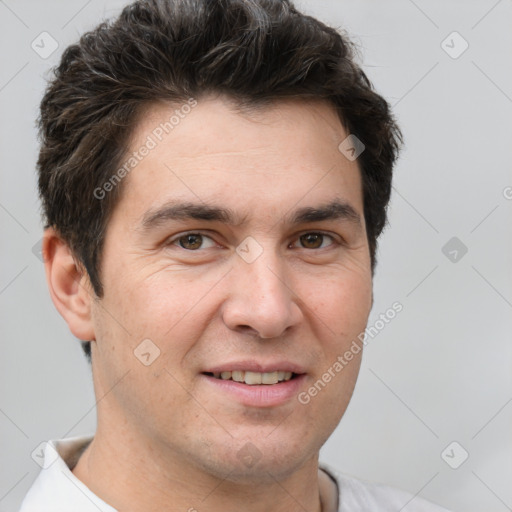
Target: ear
column 69, row 286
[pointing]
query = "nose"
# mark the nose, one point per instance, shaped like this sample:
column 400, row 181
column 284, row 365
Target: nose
column 260, row 300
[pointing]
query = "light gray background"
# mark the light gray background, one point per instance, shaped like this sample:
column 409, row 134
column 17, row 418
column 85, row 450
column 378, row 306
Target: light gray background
column 440, row 371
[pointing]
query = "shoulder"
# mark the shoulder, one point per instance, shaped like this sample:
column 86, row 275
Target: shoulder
column 356, row 495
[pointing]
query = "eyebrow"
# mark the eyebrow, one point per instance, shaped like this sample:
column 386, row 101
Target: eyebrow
column 334, row 210
column 331, row 211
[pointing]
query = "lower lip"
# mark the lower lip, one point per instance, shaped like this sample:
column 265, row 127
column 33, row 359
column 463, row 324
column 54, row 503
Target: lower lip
column 259, row 395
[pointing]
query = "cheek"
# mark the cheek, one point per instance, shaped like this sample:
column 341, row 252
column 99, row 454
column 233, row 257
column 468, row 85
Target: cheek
column 168, row 307
column 342, row 305
column 148, row 304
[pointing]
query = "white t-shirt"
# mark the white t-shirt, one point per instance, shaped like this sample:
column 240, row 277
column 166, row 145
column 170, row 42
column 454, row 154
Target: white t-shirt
column 57, row 489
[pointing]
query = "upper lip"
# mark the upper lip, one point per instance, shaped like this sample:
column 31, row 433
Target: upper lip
column 257, row 366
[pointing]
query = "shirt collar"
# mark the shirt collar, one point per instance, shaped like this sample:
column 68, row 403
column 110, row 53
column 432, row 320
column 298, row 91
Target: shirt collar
column 56, row 488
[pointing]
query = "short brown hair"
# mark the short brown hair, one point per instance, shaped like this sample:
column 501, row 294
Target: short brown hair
column 254, row 51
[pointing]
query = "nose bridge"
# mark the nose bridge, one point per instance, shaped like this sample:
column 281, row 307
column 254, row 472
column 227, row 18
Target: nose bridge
column 259, row 297
column 266, row 276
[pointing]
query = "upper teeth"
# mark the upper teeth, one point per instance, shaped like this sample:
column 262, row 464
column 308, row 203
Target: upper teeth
column 254, row 377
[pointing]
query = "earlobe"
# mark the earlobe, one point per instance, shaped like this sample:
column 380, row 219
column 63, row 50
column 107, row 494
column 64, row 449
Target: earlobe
column 69, row 286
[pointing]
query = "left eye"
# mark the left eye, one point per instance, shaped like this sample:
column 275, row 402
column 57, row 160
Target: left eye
column 192, row 241
column 314, row 240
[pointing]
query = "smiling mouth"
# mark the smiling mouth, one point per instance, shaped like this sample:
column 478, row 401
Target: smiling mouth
column 253, row 378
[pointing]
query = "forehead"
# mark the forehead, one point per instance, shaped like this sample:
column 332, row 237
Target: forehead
column 255, row 162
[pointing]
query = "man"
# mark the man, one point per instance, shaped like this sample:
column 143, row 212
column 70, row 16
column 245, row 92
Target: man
column 214, row 177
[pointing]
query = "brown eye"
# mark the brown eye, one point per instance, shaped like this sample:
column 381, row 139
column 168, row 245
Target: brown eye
column 191, row 242
column 313, row 240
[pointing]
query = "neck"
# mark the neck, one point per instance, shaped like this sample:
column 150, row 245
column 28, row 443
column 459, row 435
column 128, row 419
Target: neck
column 135, row 476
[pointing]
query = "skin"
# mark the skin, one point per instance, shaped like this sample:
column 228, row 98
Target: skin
column 165, row 439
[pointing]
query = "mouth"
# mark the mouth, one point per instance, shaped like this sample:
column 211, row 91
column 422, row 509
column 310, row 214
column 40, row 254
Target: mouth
column 254, row 383
column 255, row 389
column 254, row 378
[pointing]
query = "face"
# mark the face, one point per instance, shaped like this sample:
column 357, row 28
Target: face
column 238, row 251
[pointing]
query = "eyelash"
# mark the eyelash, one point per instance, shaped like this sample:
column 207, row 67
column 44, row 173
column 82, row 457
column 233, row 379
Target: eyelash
column 174, row 241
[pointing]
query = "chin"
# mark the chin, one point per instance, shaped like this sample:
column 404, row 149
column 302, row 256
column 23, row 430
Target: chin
column 267, row 470
column 261, row 459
